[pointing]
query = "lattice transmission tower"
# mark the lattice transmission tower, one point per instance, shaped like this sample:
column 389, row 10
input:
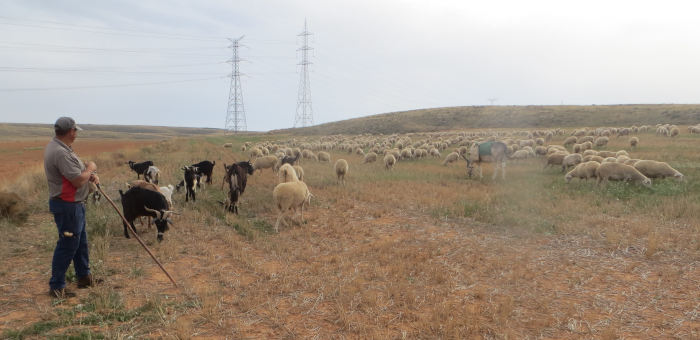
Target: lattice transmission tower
column 235, row 113
column 304, row 115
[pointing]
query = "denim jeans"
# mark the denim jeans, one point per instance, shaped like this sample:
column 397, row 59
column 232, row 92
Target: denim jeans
column 69, row 217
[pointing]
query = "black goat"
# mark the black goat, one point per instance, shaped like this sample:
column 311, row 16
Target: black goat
column 290, row 160
column 190, row 179
column 139, row 168
column 137, row 202
column 237, row 178
column 205, row 168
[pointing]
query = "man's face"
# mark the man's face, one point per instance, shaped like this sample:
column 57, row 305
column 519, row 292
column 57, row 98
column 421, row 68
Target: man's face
column 72, row 134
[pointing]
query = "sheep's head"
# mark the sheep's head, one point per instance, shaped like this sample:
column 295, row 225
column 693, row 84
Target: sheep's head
column 569, row 176
column 646, row 182
column 679, row 176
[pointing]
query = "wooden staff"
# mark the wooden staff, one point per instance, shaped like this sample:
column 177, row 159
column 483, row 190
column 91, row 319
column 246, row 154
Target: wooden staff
column 136, row 235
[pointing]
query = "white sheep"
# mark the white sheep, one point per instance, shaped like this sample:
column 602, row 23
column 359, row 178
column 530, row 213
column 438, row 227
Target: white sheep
column 341, row 170
column 570, row 160
column 286, row 173
column 300, row 172
column 266, row 162
column 369, row 158
column 601, row 141
column 324, row 156
column 389, row 161
column 620, row 172
column 555, row 159
column 290, row 196
column 584, row 170
column 451, row 158
column 654, row 169
column 520, row 154
column 634, row 141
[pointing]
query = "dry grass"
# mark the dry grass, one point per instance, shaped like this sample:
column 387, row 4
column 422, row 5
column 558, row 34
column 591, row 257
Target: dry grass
column 418, row 252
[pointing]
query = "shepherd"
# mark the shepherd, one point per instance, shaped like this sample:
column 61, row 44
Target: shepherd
column 487, row 152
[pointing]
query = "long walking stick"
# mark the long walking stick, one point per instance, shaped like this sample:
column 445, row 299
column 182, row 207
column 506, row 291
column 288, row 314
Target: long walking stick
column 137, row 236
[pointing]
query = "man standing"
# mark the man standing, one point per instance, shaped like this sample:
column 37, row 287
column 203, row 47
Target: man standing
column 68, row 188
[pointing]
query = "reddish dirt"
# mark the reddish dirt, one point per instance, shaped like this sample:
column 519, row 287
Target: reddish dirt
column 21, row 154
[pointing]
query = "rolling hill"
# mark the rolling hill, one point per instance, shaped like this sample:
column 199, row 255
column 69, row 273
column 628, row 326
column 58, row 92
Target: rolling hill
column 465, row 117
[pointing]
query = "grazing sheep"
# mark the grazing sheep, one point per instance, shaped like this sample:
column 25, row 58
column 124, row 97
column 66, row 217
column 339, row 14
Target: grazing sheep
column 450, row 158
column 623, row 132
column 585, row 139
column 228, row 145
column 434, row 152
column 622, row 153
column 632, row 162
column 605, row 154
column 324, row 156
column 592, row 158
column 369, row 158
column 590, row 152
column 555, row 159
column 389, row 161
column 290, row 196
column 287, row 173
column 622, row 159
column 406, row 153
column 633, row 142
column 540, row 150
column 300, row 172
column 673, row 132
column 570, row 160
column 341, row 170
column 255, row 152
column 584, row 170
column 266, row 162
column 308, row 154
column 578, row 148
column 586, row 146
column 654, row 169
column 609, row 160
column 694, row 129
column 570, row 140
column 620, row 172
column 520, row 154
column 601, row 141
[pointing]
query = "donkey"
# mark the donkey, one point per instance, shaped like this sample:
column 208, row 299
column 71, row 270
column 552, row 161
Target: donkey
column 487, row 152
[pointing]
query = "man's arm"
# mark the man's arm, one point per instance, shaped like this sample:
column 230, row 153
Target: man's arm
column 84, row 176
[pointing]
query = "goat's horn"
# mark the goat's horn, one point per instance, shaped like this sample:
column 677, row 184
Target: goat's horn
column 151, row 210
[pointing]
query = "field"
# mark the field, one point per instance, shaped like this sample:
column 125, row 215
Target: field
column 418, row 252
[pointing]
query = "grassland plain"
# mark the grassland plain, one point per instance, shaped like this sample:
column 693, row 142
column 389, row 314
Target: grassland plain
column 418, row 252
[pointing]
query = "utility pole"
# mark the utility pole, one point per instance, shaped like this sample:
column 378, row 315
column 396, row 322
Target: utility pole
column 304, row 115
column 235, row 113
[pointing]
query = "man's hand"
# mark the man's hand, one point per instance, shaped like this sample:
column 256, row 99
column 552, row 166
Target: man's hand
column 94, row 179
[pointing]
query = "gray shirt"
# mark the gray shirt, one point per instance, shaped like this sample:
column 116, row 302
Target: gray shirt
column 62, row 165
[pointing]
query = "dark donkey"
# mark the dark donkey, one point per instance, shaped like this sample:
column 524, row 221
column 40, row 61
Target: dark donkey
column 237, row 178
column 487, row 152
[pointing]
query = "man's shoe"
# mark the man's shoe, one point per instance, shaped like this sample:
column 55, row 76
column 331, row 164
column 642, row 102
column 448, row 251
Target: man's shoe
column 61, row 293
column 88, row 281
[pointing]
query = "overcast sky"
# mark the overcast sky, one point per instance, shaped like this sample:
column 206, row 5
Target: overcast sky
column 164, row 62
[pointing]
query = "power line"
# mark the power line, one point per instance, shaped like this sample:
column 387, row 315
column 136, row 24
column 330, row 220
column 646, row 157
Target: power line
column 33, row 89
column 103, row 30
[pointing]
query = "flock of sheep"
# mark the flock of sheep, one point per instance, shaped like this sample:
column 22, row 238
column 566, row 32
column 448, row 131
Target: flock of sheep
column 577, row 154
